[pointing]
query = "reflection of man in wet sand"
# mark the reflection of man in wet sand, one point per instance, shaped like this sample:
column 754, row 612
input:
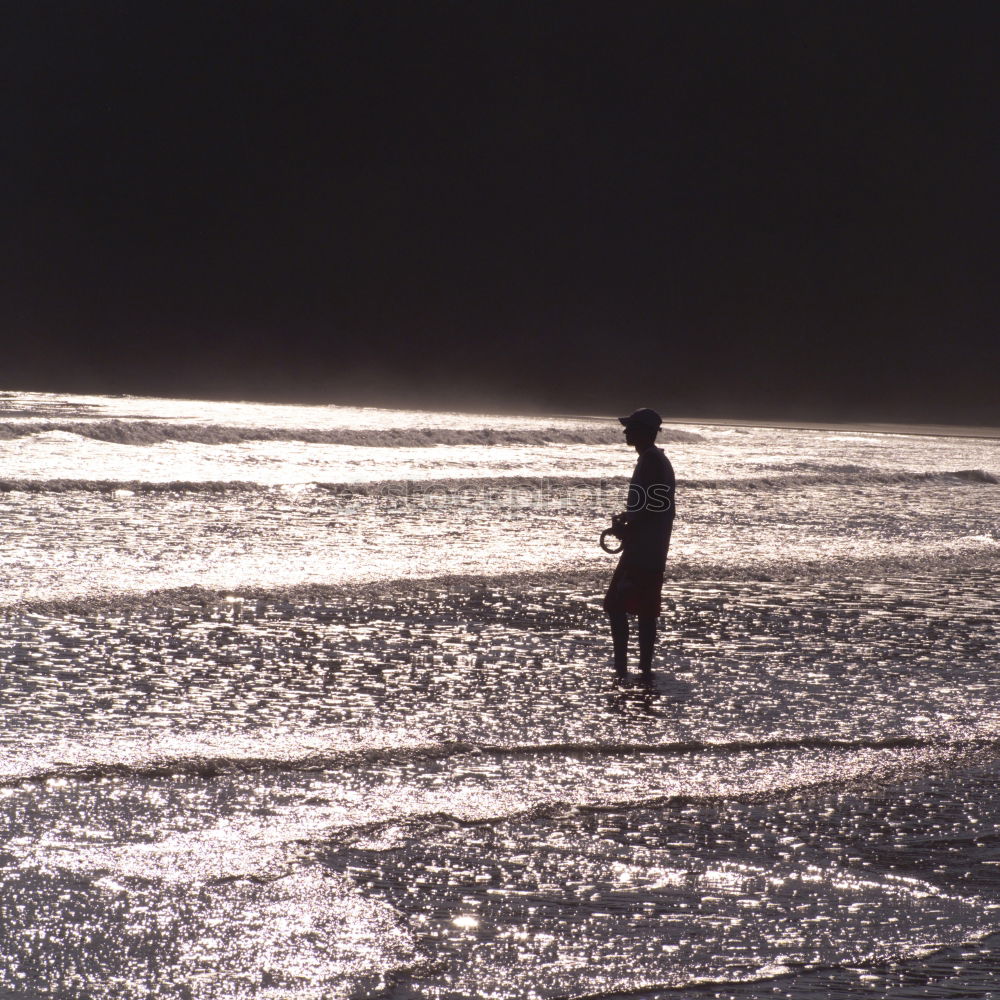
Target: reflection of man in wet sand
column 644, row 528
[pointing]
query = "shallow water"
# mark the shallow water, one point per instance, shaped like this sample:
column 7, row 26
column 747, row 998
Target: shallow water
column 321, row 741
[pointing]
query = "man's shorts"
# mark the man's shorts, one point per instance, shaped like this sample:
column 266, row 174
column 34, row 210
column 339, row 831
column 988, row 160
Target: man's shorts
column 634, row 590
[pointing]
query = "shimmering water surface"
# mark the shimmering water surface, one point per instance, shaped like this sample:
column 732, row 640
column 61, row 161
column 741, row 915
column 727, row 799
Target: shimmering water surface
column 316, row 702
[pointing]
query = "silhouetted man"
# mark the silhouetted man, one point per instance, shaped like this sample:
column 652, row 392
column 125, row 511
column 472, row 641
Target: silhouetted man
column 644, row 528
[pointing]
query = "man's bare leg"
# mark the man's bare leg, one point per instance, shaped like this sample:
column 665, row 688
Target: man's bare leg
column 619, row 637
column 647, row 640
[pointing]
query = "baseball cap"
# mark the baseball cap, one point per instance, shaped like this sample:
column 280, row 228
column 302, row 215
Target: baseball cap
column 644, row 417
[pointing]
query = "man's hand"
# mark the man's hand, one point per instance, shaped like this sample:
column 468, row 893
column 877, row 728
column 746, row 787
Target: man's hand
column 620, row 524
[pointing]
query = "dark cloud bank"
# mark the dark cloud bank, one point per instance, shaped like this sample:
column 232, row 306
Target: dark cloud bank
column 731, row 208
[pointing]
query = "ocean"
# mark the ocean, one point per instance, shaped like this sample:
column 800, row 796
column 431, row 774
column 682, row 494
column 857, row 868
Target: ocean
column 317, row 702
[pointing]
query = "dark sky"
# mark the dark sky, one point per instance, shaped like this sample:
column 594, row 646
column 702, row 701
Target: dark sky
column 730, row 208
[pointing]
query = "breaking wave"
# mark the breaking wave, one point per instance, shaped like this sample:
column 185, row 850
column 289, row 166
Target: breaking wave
column 971, row 555
column 835, row 476
column 149, row 432
column 852, row 475
column 112, row 486
column 209, row 766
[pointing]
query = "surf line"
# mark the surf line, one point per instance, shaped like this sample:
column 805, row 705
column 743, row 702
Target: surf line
column 210, row 767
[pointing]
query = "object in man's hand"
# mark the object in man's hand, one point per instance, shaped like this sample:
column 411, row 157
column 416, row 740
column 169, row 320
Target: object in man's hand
column 617, row 530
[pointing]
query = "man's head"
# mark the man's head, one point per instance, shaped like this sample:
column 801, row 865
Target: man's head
column 641, row 427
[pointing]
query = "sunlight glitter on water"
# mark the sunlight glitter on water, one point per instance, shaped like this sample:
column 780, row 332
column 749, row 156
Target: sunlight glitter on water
column 221, row 540
column 432, row 790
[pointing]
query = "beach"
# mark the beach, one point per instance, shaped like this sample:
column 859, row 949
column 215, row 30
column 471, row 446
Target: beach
column 317, row 702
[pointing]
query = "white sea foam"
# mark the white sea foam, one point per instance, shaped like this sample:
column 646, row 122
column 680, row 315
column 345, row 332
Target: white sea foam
column 147, row 432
